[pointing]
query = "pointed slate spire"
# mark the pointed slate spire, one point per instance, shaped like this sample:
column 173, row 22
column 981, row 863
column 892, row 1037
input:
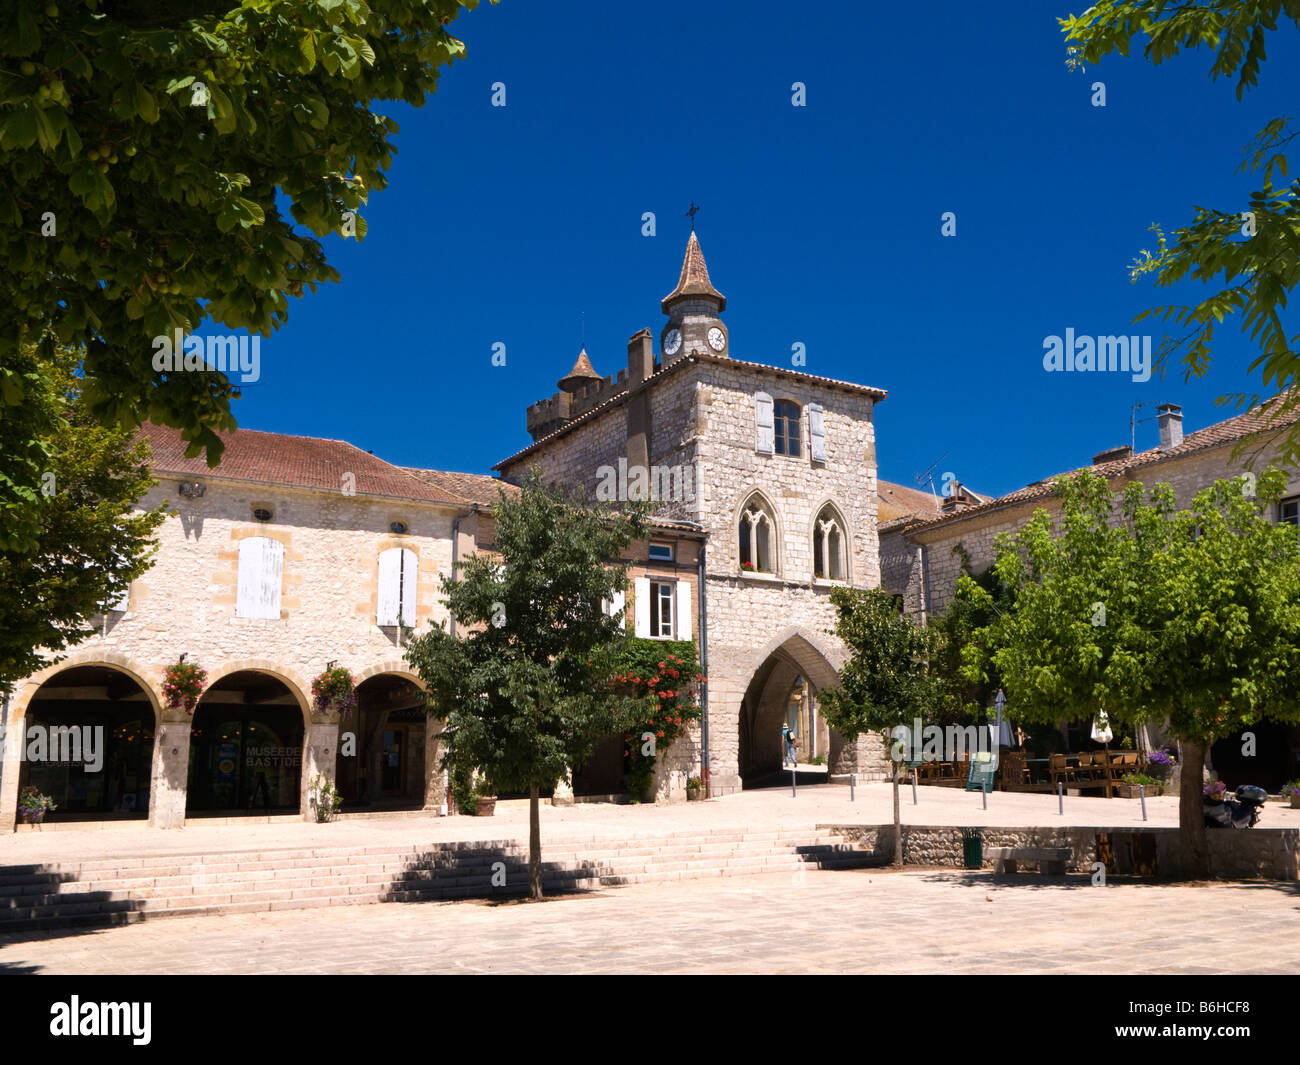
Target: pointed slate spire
column 582, row 374
column 694, row 281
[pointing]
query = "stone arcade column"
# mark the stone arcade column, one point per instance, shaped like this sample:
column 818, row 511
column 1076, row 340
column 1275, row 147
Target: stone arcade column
column 11, row 746
column 435, row 779
column 167, row 784
column 319, row 754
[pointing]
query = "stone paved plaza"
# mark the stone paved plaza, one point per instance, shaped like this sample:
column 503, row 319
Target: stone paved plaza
column 861, row 921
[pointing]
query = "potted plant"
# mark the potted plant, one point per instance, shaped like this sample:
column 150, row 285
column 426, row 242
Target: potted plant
column 324, row 798
column 335, row 689
column 694, row 789
column 1130, row 782
column 472, row 796
column 748, row 567
column 485, row 805
column 33, row 803
column 183, row 683
column 1291, row 791
column 1214, row 791
column 1160, row 763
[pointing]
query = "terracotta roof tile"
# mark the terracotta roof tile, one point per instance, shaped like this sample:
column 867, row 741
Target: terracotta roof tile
column 1219, row 434
column 293, row 461
column 467, row 487
column 896, row 501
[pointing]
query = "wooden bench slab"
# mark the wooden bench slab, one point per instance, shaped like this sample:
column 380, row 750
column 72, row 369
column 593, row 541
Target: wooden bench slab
column 1050, row 860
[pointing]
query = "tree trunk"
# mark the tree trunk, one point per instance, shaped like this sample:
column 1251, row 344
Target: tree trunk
column 898, row 823
column 1191, row 813
column 534, row 845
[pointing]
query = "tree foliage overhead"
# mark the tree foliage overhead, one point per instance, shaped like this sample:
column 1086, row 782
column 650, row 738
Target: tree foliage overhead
column 1253, row 250
column 76, row 545
column 159, row 140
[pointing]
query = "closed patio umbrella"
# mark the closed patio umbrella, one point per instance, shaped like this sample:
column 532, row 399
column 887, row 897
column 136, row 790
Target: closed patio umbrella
column 1001, row 729
column 1102, row 734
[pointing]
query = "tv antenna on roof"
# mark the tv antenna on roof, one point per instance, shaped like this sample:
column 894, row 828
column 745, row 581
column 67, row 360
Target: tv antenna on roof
column 927, row 476
column 1133, row 421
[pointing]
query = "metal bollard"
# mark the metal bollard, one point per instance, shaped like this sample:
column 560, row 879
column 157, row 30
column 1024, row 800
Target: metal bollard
column 794, row 788
column 1142, row 794
column 1060, row 796
column 853, row 779
column 985, row 792
column 913, row 787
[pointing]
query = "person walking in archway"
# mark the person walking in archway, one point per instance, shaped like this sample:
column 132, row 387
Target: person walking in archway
column 789, row 748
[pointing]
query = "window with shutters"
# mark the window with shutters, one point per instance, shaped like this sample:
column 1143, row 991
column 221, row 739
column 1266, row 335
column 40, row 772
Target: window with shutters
column 829, row 541
column 662, row 596
column 757, row 537
column 785, row 417
column 816, row 432
column 662, row 609
column 763, row 439
column 398, row 583
column 261, row 570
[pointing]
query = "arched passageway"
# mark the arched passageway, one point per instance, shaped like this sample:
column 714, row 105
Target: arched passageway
column 87, row 742
column 382, row 764
column 246, row 747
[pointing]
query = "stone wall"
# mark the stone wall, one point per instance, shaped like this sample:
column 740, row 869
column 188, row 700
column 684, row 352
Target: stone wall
column 1264, row 853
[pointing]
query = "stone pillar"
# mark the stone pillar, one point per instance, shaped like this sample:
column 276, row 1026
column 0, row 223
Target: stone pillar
column 319, row 753
column 435, row 778
column 563, row 793
column 171, row 763
column 866, row 756
column 11, row 750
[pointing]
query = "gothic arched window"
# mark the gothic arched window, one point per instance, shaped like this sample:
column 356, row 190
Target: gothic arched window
column 829, row 559
column 757, row 537
column 786, row 418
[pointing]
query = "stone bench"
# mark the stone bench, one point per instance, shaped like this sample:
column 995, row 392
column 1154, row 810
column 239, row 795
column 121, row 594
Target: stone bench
column 1051, row 860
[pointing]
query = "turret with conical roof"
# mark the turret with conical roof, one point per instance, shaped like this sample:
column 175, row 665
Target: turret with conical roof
column 582, row 375
column 693, row 310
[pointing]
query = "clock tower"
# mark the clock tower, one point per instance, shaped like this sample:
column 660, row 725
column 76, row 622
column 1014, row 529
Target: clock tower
column 693, row 310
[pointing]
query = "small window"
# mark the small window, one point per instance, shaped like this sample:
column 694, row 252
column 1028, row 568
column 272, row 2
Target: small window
column 262, row 514
column 828, row 545
column 756, row 538
column 786, row 424
column 661, row 552
column 1289, row 511
column 397, row 528
column 661, row 609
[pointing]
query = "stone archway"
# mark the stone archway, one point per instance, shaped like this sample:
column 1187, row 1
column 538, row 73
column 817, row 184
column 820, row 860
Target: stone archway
column 385, row 744
column 782, row 690
column 84, row 732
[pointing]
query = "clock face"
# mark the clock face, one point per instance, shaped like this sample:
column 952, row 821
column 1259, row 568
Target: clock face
column 672, row 341
column 717, row 339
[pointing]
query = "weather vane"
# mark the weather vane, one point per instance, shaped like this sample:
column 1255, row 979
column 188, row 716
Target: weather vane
column 691, row 212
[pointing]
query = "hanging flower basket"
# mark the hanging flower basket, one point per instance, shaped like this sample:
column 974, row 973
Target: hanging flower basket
column 335, row 689
column 183, row 683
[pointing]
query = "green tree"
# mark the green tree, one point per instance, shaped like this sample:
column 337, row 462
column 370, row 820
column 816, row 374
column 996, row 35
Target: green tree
column 1255, row 246
column 73, row 537
column 149, row 150
column 887, row 680
column 529, row 691
column 1189, row 617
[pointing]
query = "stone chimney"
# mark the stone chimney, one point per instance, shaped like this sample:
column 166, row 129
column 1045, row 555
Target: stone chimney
column 640, row 358
column 1170, row 418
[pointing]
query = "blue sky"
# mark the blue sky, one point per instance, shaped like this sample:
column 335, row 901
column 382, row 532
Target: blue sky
column 821, row 224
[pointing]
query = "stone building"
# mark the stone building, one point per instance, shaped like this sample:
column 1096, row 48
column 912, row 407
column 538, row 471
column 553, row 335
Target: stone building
column 291, row 555
column 923, row 553
column 777, row 470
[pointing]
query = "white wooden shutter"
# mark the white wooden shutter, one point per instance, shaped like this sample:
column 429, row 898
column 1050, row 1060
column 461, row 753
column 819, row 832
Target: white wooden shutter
column 616, row 605
column 121, row 604
column 764, row 430
column 390, row 574
column 410, row 586
column 261, row 571
column 683, row 611
column 641, row 588
column 816, row 433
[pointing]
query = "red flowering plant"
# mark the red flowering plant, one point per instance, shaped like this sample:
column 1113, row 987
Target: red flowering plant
column 183, row 683
column 667, row 673
column 335, row 688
